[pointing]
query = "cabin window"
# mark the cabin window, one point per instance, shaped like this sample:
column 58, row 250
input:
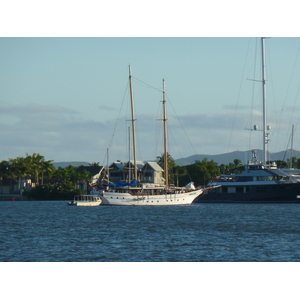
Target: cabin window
column 264, row 178
column 224, row 189
column 232, row 189
column 239, row 189
column 244, row 178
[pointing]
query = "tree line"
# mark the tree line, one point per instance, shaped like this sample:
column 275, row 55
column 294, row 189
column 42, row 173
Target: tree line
column 201, row 172
column 64, row 181
column 38, row 170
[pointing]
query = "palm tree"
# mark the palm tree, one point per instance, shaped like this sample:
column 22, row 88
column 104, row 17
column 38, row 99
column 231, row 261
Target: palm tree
column 223, row 169
column 19, row 170
column 83, row 176
column 47, row 168
column 37, row 165
column 4, row 167
column 4, row 170
column 61, row 174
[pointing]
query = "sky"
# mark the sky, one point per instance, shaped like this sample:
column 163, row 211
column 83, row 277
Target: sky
column 66, row 97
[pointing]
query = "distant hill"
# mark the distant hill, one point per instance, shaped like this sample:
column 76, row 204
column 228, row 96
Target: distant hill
column 225, row 158
column 72, row 163
column 244, row 156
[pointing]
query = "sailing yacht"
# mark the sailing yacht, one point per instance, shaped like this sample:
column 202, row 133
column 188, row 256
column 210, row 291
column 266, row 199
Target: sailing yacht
column 260, row 182
column 122, row 193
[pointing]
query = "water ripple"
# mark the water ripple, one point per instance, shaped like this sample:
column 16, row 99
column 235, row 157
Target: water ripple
column 53, row 231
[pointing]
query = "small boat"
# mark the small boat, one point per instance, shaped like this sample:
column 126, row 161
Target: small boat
column 86, row 200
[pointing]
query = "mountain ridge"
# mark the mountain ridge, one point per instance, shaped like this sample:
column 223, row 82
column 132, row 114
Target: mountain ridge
column 244, row 156
column 224, row 158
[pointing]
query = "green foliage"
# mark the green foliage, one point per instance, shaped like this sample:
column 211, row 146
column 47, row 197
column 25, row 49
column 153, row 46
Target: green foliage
column 60, row 191
column 200, row 172
column 33, row 167
column 293, row 162
column 171, row 166
column 4, row 168
column 281, row 164
column 235, row 167
column 36, row 168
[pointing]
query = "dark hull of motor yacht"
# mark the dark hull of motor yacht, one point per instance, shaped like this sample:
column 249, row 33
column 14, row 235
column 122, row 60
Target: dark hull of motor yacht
column 279, row 193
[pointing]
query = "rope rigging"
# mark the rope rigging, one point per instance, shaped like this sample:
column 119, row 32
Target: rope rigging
column 115, row 126
column 239, row 95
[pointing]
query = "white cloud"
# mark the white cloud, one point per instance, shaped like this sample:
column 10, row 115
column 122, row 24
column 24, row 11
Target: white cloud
column 33, row 108
column 61, row 134
column 48, row 130
column 105, row 107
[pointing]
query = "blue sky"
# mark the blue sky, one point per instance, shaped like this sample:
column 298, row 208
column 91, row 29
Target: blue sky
column 61, row 97
column 61, row 94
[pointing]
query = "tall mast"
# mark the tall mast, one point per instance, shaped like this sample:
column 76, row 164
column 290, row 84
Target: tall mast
column 265, row 127
column 129, row 169
column 292, row 141
column 133, row 125
column 107, row 165
column 165, row 137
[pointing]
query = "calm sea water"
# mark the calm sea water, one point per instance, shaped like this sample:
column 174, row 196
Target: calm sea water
column 52, row 231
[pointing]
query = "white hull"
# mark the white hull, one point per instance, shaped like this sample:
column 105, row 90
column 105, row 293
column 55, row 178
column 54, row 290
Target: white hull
column 92, row 203
column 86, row 200
column 115, row 198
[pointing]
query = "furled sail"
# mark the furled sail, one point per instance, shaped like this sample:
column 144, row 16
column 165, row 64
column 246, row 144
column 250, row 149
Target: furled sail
column 190, row 186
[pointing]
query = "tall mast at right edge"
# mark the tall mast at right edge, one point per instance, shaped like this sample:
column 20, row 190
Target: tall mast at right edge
column 265, row 127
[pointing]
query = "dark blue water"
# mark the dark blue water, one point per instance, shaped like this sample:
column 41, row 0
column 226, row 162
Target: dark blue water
column 55, row 232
